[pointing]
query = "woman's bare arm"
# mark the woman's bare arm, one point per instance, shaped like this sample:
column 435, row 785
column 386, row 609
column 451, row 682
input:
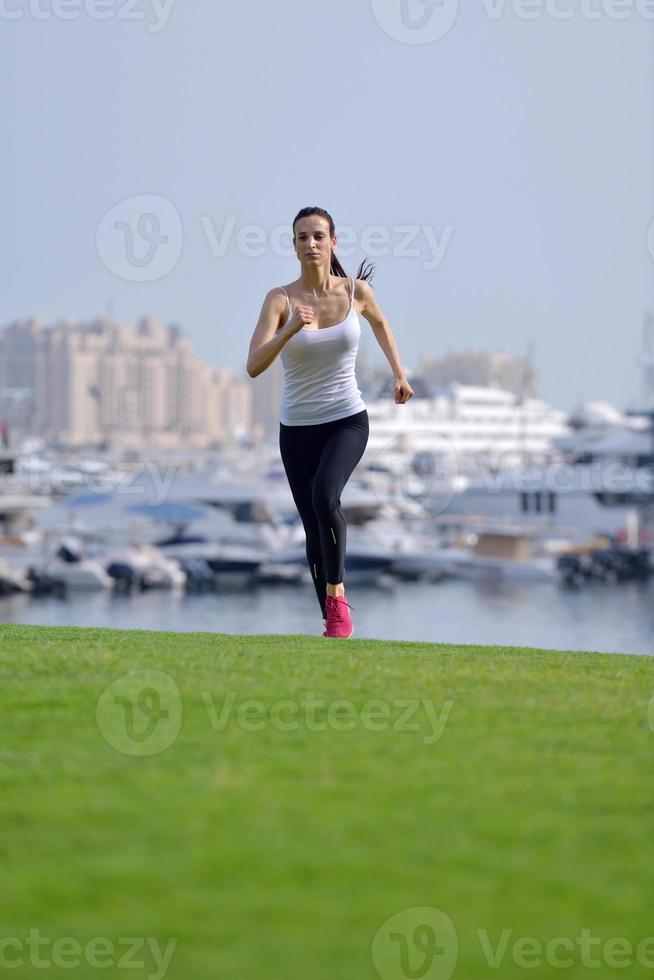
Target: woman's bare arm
column 267, row 341
column 371, row 310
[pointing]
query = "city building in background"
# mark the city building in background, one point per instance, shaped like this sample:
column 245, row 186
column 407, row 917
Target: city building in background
column 493, row 369
column 112, row 386
column 266, row 391
column 108, row 385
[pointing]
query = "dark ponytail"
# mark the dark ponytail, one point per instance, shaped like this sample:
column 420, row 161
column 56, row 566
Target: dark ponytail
column 336, row 268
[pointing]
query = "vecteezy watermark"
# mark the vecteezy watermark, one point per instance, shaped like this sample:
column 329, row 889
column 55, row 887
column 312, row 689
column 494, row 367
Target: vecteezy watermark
column 436, row 475
column 418, row 942
column 415, row 21
column 426, row 21
column 610, row 477
column 565, row 952
column 402, row 241
column 100, row 953
column 140, row 239
column 592, row 10
column 322, row 715
column 398, row 468
column 154, row 13
column 149, row 483
column 140, row 713
column 423, row 942
column 650, row 714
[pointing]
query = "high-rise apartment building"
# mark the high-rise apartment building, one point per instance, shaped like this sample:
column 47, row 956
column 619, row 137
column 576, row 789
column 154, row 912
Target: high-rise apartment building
column 485, row 368
column 110, row 385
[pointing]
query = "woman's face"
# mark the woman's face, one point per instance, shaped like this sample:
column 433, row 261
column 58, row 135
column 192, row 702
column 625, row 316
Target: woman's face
column 312, row 241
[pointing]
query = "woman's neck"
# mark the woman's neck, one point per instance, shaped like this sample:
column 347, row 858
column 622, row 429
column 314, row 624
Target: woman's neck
column 316, row 280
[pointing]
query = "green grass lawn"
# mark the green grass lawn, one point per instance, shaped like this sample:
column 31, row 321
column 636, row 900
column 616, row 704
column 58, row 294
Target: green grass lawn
column 509, row 790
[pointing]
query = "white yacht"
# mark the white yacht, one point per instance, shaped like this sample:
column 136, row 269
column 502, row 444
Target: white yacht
column 462, row 427
column 599, row 482
column 612, row 452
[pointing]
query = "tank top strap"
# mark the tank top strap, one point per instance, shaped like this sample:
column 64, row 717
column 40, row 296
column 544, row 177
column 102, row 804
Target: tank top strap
column 352, row 298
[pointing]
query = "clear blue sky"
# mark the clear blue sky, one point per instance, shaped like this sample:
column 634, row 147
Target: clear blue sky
column 530, row 140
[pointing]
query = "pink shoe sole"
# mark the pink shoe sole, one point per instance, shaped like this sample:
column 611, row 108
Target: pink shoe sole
column 340, row 637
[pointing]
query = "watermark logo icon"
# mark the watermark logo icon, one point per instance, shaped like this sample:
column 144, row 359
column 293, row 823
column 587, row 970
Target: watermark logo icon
column 430, row 477
column 140, row 239
column 416, row 21
column 416, row 944
column 140, row 713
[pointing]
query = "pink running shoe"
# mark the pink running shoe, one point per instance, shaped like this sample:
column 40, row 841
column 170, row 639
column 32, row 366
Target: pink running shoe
column 337, row 618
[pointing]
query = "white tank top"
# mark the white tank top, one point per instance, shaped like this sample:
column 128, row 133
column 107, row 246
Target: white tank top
column 319, row 380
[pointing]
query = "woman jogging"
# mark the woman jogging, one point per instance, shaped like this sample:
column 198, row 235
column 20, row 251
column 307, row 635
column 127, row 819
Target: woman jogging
column 323, row 430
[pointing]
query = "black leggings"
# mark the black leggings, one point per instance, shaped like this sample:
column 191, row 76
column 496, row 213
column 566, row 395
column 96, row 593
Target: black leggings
column 319, row 460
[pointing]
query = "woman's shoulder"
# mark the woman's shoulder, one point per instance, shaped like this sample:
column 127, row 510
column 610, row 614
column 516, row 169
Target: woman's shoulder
column 362, row 289
column 277, row 294
column 286, row 290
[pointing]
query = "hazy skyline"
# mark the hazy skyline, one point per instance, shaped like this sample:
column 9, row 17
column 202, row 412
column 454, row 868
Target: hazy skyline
column 514, row 156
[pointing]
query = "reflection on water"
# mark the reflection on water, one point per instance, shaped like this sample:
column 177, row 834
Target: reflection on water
column 601, row 618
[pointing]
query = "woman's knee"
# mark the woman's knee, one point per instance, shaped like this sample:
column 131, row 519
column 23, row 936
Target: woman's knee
column 325, row 502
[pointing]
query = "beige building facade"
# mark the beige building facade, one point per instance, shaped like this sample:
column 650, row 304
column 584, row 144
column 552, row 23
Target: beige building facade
column 115, row 386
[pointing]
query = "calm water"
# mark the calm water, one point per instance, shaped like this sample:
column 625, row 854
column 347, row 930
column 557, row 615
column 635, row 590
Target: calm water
column 539, row 614
column 599, row 617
